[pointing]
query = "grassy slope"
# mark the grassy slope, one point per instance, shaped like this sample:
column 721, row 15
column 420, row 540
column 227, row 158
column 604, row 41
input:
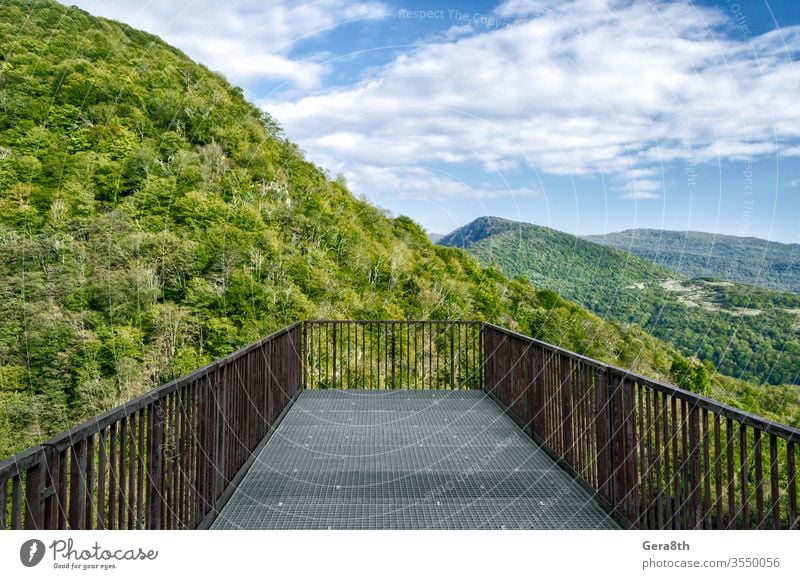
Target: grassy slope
column 152, row 220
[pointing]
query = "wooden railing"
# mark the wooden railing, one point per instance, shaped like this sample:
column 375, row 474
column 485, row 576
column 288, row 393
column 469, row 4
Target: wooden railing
column 165, row 460
column 656, row 456
column 393, row 354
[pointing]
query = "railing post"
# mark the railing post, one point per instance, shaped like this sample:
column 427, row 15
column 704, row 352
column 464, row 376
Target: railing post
column 487, row 362
column 220, row 396
column 333, row 376
column 77, row 486
column 155, row 465
column 303, row 354
column 392, row 325
column 695, row 514
column 566, row 409
column 452, row 356
column 34, row 494
column 631, row 446
column 603, row 440
column 538, row 381
column 617, row 435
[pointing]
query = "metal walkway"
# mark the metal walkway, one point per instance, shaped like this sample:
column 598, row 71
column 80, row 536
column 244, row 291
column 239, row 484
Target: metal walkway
column 402, row 459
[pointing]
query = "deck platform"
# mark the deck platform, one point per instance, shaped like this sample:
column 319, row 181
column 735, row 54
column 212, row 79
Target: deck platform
column 405, row 459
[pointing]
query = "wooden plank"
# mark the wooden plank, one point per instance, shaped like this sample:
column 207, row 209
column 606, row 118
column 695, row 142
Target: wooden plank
column 718, row 472
column 183, row 451
column 602, row 437
column 773, row 478
column 687, row 515
column 34, row 496
column 669, row 511
column 731, row 479
column 658, row 416
column 3, row 503
column 133, row 426
column 141, row 475
column 122, row 477
column 759, row 468
column 617, row 431
column 16, row 502
column 77, row 486
column 744, row 476
column 61, row 490
column 155, row 467
column 90, row 482
column 567, row 412
column 334, row 381
column 631, row 450
column 791, row 485
column 694, row 519
column 643, row 516
column 174, row 455
column 706, row 472
column 102, row 468
column 111, row 522
column 677, row 467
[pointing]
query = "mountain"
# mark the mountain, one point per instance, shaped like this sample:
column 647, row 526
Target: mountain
column 152, row 220
column 559, row 261
column 744, row 331
column 746, row 260
column 435, row 237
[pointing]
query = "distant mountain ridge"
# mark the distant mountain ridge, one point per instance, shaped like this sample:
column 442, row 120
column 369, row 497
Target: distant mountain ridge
column 747, row 260
column 743, row 330
column 549, row 257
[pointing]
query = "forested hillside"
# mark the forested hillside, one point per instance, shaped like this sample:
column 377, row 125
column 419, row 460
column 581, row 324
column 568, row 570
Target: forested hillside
column 152, row 220
column 744, row 331
column 746, row 260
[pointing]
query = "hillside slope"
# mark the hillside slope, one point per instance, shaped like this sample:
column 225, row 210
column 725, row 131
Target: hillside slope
column 746, row 260
column 555, row 260
column 152, row 220
column 745, row 331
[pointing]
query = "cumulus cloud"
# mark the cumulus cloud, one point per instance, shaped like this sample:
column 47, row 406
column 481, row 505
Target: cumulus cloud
column 247, row 40
column 581, row 87
column 398, row 182
column 620, row 88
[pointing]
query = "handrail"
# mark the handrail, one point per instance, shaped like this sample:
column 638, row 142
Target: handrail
column 754, row 420
column 375, row 354
column 654, row 455
column 163, row 460
column 61, row 441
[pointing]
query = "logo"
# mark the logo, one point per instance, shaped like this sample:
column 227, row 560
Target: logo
column 31, row 553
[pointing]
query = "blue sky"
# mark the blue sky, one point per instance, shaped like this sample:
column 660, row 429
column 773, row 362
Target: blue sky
column 584, row 115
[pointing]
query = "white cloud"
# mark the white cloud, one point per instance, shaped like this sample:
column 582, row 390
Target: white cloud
column 613, row 87
column 579, row 87
column 247, row 40
column 639, row 195
column 403, row 182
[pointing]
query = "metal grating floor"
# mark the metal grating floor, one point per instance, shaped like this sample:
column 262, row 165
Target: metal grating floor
column 403, row 459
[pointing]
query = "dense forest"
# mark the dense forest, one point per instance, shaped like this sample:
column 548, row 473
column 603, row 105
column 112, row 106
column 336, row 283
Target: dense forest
column 152, row 220
column 746, row 260
column 743, row 331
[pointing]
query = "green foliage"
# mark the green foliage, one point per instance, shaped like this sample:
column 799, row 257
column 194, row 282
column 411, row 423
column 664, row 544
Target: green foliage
column 744, row 331
column 746, row 260
column 691, row 374
column 152, row 220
